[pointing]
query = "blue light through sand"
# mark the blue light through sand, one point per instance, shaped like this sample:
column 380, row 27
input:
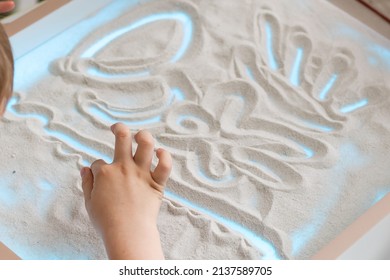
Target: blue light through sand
column 22, row 251
column 301, row 237
column 379, row 54
column 77, row 145
column 8, row 196
column 104, row 116
column 380, row 196
column 317, row 126
column 308, row 152
column 178, row 16
column 27, row 252
column 328, row 87
column 178, row 93
column 294, row 78
column 264, row 246
column 249, row 73
column 382, row 53
column 45, row 185
column 270, row 49
column 65, row 138
column 98, row 73
column 349, row 155
column 10, row 108
column 352, row 107
column 33, row 66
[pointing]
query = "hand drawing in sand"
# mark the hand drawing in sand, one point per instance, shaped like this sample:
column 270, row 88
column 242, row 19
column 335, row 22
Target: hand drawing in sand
column 259, row 116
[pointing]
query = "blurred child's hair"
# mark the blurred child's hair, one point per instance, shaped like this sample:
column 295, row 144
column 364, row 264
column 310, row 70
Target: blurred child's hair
column 6, row 68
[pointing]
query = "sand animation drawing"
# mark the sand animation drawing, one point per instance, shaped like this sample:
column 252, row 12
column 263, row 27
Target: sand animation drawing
column 276, row 115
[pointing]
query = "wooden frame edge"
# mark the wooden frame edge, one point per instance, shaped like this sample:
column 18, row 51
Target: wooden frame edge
column 355, row 231
column 7, row 254
column 34, row 15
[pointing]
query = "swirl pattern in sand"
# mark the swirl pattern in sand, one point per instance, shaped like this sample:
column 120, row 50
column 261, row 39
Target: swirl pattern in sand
column 270, row 125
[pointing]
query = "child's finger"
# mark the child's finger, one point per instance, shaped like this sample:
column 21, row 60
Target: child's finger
column 6, row 6
column 163, row 169
column 96, row 165
column 145, row 150
column 122, row 142
column 87, row 182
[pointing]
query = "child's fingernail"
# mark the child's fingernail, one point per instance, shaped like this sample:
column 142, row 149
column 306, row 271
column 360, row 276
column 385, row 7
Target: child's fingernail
column 82, row 172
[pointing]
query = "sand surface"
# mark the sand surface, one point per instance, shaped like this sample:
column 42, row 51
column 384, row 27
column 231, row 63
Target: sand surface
column 276, row 114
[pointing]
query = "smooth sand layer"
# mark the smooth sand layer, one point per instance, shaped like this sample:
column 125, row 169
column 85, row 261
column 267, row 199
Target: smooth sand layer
column 276, row 115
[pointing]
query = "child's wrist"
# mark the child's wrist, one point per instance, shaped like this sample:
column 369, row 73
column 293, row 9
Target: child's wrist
column 133, row 242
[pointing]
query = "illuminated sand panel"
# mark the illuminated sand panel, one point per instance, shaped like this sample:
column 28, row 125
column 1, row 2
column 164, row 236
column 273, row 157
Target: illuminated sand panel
column 276, row 126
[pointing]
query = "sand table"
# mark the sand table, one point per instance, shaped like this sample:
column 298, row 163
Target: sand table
column 276, row 114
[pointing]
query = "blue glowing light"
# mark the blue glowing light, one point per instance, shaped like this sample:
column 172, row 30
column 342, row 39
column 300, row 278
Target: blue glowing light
column 309, row 152
column 77, row 145
column 23, row 252
column 270, row 49
column 294, row 78
column 99, row 73
column 13, row 101
column 178, row 16
column 32, row 67
column 380, row 196
column 325, row 91
column 300, row 238
column 8, row 196
column 28, row 252
column 45, row 185
column 249, row 73
column 352, row 107
column 86, row 162
column 373, row 60
column 319, row 127
column 178, row 93
column 382, row 52
column 264, row 246
column 350, row 156
column 63, row 137
column 106, row 117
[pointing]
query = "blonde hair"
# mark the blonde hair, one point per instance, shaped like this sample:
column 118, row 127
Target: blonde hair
column 6, row 68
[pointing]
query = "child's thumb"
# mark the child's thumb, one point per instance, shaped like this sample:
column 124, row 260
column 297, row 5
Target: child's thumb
column 87, row 182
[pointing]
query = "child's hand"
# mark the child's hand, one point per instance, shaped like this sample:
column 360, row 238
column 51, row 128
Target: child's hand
column 6, row 6
column 123, row 198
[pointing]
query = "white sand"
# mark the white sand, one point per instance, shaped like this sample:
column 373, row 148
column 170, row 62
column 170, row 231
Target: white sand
column 266, row 163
